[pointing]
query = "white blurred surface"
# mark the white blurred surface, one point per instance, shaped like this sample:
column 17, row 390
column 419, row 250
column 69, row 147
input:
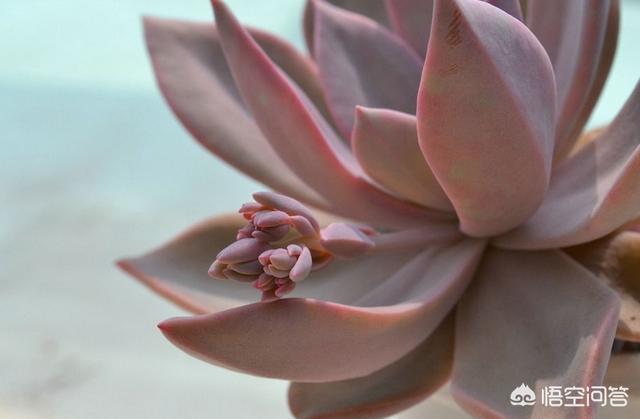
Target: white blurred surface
column 94, row 167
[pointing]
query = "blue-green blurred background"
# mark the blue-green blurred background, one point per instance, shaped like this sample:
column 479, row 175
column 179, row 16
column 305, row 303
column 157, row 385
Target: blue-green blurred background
column 93, row 166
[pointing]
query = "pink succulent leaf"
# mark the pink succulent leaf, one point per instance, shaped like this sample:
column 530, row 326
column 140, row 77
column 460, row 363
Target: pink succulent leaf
column 300, row 68
column 178, row 269
column 362, row 63
column 345, row 281
column 485, row 118
column 411, row 20
column 417, row 237
column 422, row 279
column 573, row 34
column 307, row 340
column 385, row 143
column 193, row 76
column 515, row 315
column 512, row 7
column 604, row 66
column 593, row 192
column 373, row 9
column 296, row 131
column 387, row 391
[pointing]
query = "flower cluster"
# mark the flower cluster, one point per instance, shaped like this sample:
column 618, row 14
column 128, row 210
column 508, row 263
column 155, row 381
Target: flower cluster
column 282, row 244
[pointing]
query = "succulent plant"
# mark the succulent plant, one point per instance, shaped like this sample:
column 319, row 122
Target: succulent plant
column 438, row 216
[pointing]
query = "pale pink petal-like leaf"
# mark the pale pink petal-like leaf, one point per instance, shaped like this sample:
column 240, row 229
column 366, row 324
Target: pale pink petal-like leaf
column 572, row 33
column 385, row 142
column 486, row 117
column 315, row 341
column 615, row 259
column 591, row 193
column 362, row 63
column 178, row 269
column 300, row 68
column 387, row 391
column 194, row 78
column 537, row 318
column 510, row 6
column 411, row 20
column 302, row 137
column 604, row 65
column 373, row 9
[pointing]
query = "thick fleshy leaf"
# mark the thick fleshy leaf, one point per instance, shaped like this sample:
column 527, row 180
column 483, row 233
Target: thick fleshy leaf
column 302, row 137
column 373, row 9
column 194, row 78
column 573, row 34
column 604, row 65
column 385, row 143
column 300, row 68
column 623, row 370
column 510, row 6
column 593, row 192
column 420, row 237
column 178, row 269
column 362, row 63
column 315, row 341
column 537, row 318
column 411, row 20
column 393, row 388
column 616, row 260
column 486, row 115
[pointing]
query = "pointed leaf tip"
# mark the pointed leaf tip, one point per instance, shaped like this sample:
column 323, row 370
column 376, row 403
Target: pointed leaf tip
column 573, row 34
column 486, row 110
column 411, row 20
column 362, row 63
column 515, row 315
column 389, row 390
column 385, row 143
column 193, row 76
column 593, row 192
column 305, row 340
column 283, row 111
